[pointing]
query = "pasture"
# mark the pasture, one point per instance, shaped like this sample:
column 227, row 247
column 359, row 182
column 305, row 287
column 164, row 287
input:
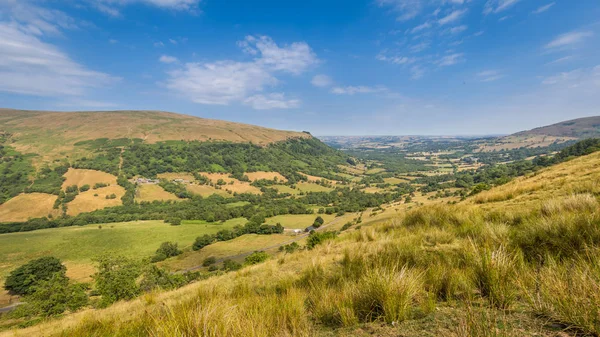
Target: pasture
column 94, row 199
column 79, row 245
column 151, row 192
column 297, row 221
column 82, row 177
column 30, row 205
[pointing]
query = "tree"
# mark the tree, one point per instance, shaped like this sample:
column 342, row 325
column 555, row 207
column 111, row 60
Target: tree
column 116, row 278
column 256, row 257
column 154, row 277
column 54, row 296
column 22, row 280
column 203, row 241
column 165, row 251
column 316, row 238
column 230, row 265
column 174, row 221
column 318, row 222
column 209, row 261
column 84, row 188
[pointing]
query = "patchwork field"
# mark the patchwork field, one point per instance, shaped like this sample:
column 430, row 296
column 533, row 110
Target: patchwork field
column 395, row 181
column 151, row 192
column 297, row 221
column 285, row 189
column 205, row 190
column 82, row 177
column 214, row 177
column 265, row 175
column 311, row 187
column 79, row 245
column 30, row 205
column 92, row 200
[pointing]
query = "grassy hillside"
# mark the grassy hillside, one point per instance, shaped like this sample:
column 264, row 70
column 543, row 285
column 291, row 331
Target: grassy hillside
column 524, row 265
column 577, row 128
column 53, row 135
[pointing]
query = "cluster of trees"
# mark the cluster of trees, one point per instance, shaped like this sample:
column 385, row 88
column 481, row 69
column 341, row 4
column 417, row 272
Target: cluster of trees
column 49, row 180
column 165, row 251
column 176, row 188
column 14, row 173
column 392, row 159
column 255, row 225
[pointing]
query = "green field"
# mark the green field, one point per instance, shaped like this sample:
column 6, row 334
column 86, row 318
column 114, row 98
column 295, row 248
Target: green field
column 80, row 245
column 297, row 221
column 285, row 189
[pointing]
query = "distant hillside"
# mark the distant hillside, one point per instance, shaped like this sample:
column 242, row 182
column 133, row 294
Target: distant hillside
column 54, row 134
column 577, row 128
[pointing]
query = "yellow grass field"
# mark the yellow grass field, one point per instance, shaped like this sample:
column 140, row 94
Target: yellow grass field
column 310, row 187
column 30, row 205
column 297, row 221
column 315, row 178
column 233, row 185
column 172, row 176
column 395, row 181
column 205, row 190
column 265, row 175
column 151, row 192
column 285, row 189
column 88, row 201
column 82, row 177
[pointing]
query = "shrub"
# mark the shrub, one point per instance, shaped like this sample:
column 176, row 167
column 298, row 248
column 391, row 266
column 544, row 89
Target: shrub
column 256, row 257
column 230, row 265
column 116, row 278
column 316, row 238
column 22, row 280
column 209, row 261
column 203, row 241
column 84, row 188
column 154, row 277
column 318, row 222
column 174, row 221
column 54, row 296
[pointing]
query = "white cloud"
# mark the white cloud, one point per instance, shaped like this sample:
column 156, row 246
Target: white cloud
column 568, row 39
column 419, row 47
column 451, row 59
column 158, row 44
column 458, row 29
column 271, row 101
column 111, row 7
column 225, row 82
column 504, row 18
column 32, row 67
column 394, row 59
column 497, row 6
column 417, row 72
column 544, row 8
column 559, row 60
column 489, row 75
column 452, row 17
column 168, row 59
column 294, row 58
column 321, row 81
column 352, row 90
column 407, row 9
column 36, row 20
column 421, row 27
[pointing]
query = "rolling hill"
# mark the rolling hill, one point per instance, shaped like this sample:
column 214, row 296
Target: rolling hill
column 53, row 135
column 580, row 128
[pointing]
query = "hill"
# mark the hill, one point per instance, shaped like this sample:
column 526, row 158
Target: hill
column 52, row 135
column 580, row 128
column 478, row 268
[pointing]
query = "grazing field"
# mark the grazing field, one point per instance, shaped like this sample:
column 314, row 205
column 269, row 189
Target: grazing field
column 82, row 177
column 265, row 175
column 311, row 187
column 242, row 187
column 92, row 200
column 30, row 205
column 205, row 190
column 285, row 189
column 151, row 192
column 172, row 176
column 214, row 177
column 395, row 181
column 297, row 221
column 79, row 245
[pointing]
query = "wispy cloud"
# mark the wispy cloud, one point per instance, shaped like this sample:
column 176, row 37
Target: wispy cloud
column 112, row 7
column 568, row 39
column 395, row 59
column 451, row 59
column 489, row 75
column 421, row 27
column 458, row 29
column 225, row 82
column 321, row 81
column 168, row 59
column 560, row 60
column 271, row 101
column 497, row 6
column 406, row 9
column 452, row 17
column 543, row 8
column 352, row 90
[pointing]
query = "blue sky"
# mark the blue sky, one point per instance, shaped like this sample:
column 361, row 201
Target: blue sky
column 332, row 67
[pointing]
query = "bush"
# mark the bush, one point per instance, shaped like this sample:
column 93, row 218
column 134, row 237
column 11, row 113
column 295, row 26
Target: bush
column 209, row 261
column 203, row 241
column 318, row 222
column 116, row 279
column 230, row 265
column 316, row 238
column 158, row 278
column 173, row 221
column 256, row 257
column 54, row 296
column 84, row 188
column 22, row 280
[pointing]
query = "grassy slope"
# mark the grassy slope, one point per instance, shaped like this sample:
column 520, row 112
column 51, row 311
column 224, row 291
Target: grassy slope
column 52, row 134
column 443, row 247
column 80, row 245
